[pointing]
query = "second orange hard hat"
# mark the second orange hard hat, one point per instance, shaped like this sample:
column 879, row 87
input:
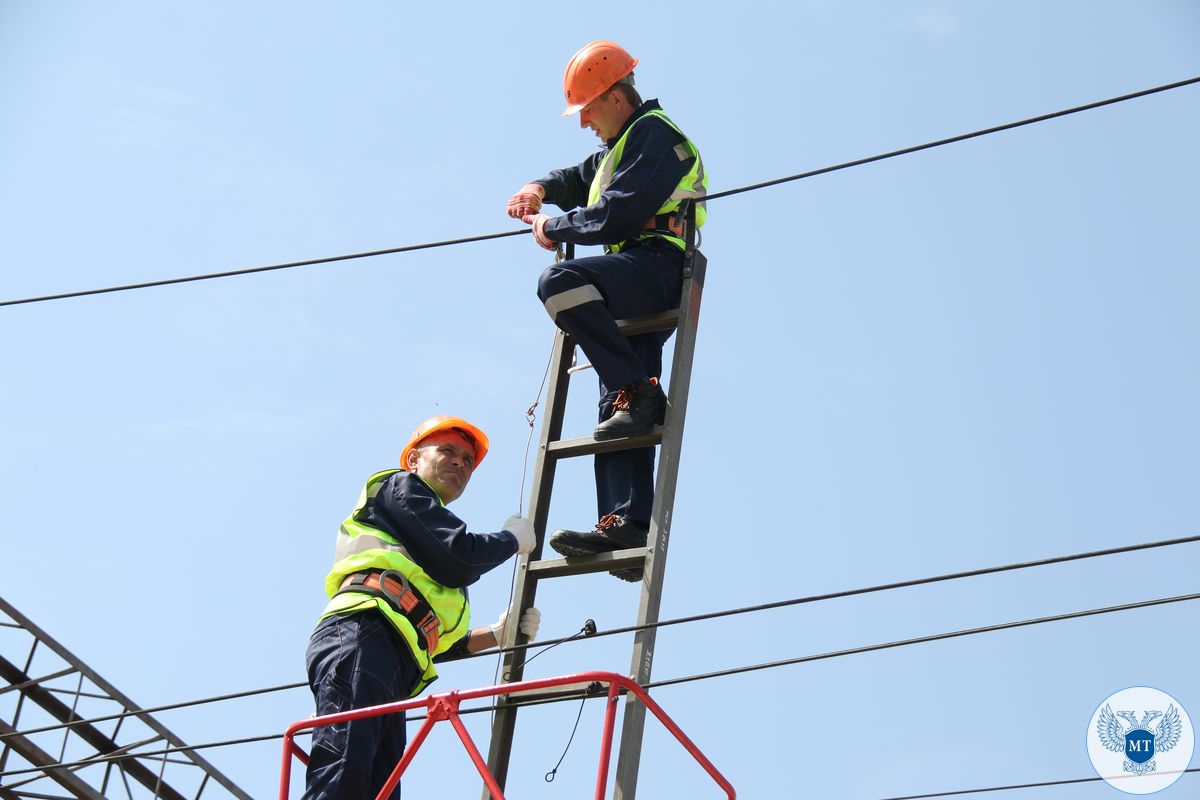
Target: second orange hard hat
column 445, row 423
column 594, row 70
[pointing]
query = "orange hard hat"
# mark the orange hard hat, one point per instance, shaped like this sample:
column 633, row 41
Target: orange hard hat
column 594, row 70
column 445, row 423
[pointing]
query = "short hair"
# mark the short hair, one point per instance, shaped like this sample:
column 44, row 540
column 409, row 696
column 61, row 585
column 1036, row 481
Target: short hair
column 625, row 87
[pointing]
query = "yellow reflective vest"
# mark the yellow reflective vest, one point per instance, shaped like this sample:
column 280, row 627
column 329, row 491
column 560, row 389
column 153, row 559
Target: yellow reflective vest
column 693, row 186
column 364, row 547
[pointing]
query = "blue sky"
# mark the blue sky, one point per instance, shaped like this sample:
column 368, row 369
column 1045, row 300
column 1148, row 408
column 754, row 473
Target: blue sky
column 970, row 356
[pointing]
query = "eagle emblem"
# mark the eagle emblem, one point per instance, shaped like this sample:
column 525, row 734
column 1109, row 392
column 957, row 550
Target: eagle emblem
column 1137, row 741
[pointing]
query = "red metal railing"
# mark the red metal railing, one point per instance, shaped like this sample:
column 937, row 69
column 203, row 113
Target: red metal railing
column 444, row 706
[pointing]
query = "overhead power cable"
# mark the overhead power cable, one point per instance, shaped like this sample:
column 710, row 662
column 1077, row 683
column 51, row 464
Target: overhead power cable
column 936, row 637
column 484, row 237
column 1012, row 786
column 248, row 270
column 155, row 709
column 546, row 644
column 572, row 696
column 960, row 138
column 882, row 587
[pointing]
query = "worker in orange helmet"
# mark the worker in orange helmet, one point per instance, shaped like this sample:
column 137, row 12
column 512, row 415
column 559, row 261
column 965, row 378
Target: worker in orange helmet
column 630, row 197
column 398, row 603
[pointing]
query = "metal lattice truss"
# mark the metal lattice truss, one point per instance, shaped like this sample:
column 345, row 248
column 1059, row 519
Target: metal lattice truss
column 65, row 732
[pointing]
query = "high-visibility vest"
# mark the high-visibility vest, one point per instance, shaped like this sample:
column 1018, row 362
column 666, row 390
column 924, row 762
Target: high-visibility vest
column 693, row 186
column 365, row 547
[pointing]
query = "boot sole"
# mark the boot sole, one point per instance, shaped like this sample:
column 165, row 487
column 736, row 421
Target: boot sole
column 566, row 549
column 631, row 575
column 573, row 550
column 605, row 436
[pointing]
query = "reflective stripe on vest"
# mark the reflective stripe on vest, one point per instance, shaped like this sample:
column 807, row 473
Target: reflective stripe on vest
column 361, row 547
column 693, row 186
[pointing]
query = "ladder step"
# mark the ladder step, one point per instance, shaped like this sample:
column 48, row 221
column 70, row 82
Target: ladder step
column 577, row 690
column 663, row 321
column 584, row 565
column 569, row 448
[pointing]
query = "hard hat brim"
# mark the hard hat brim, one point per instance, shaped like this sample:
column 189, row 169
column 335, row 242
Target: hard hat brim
column 437, row 425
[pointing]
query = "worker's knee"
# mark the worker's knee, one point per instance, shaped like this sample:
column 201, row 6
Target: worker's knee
column 565, row 289
column 554, row 280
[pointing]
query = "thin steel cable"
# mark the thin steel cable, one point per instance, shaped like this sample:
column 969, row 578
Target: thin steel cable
column 750, row 188
column 571, row 697
column 682, row 620
column 553, row 773
column 530, row 417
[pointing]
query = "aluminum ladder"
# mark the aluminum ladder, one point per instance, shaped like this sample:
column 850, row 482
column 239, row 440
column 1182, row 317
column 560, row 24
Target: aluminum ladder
column 533, row 568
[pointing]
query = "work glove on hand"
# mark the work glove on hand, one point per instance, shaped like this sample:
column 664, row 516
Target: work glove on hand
column 538, row 221
column 527, row 201
column 522, row 528
column 531, row 620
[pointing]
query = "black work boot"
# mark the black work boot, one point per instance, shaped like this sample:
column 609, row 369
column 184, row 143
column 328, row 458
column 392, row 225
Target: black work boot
column 611, row 533
column 637, row 408
column 631, row 574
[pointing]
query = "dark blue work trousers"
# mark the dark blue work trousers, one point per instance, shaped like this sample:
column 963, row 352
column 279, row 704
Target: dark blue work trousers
column 585, row 297
column 354, row 661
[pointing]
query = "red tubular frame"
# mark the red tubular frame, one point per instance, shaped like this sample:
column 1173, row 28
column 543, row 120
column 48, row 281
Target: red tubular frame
column 444, row 706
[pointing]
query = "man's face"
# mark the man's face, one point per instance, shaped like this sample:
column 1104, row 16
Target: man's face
column 605, row 115
column 444, row 460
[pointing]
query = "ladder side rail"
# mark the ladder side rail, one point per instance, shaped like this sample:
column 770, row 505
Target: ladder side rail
column 505, row 721
column 642, row 661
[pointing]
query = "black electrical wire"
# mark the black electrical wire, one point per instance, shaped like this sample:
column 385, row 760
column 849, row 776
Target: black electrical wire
column 669, row 682
column 547, row 644
column 960, row 138
column 883, row 587
column 155, row 709
column 249, row 270
column 752, row 187
column 1006, row 788
column 936, row 637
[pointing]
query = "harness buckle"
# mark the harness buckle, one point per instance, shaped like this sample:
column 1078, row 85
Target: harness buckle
column 395, row 589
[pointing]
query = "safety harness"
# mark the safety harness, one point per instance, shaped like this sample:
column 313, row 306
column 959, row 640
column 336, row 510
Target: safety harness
column 396, row 590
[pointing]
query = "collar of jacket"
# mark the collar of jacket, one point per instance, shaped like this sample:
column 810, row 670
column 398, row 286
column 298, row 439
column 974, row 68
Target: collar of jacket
column 649, row 105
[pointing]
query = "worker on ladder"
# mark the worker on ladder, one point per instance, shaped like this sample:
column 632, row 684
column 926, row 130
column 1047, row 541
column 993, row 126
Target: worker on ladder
column 630, row 197
column 398, row 602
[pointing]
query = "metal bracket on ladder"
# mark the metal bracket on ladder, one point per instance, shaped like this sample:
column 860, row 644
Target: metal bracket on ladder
column 653, row 557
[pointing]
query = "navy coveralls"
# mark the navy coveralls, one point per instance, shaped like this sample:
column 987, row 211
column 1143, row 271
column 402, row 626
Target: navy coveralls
column 359, row 659
column 585, row 296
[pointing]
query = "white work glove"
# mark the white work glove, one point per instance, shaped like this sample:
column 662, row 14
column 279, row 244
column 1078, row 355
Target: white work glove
column 531, row 620
column 538, row 221
column 526, row 201
column 522, row 528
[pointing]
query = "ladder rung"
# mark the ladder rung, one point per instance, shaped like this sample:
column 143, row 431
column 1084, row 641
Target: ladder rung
column 583, row 565
column 663, row 321
column 577, row 690
column 568, row 448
